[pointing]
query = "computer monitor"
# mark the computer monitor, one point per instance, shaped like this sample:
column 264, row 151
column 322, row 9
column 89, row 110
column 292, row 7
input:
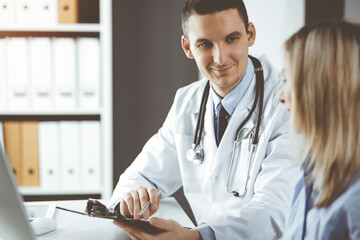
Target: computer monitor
column 14, row 223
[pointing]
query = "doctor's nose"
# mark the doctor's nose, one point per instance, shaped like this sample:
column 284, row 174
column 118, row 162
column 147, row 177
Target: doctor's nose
column 219, row 55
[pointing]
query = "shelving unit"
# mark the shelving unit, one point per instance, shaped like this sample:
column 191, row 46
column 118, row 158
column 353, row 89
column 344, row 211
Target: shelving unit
column 102, row 31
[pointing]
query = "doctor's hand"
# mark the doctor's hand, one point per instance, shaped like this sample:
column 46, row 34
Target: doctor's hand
column 132, row 202
column 172, row 230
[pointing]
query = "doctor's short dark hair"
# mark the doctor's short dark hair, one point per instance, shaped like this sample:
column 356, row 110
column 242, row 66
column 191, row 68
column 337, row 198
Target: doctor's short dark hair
column 203, row 7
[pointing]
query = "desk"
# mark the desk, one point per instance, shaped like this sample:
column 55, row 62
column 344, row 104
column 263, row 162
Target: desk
column 74, row 226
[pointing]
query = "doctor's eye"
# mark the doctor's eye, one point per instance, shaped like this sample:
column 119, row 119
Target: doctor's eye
column 231, row 39
column 205, row 44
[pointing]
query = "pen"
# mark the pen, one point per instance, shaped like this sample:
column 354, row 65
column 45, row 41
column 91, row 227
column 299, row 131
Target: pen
column 147, row 204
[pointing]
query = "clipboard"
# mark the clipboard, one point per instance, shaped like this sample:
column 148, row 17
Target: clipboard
column 95, row 208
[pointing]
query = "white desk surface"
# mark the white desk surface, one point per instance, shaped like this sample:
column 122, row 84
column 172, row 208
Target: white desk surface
column 75, row 226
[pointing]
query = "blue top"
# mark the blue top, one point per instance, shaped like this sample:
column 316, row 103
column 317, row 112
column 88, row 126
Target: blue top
column 340, row 220
column 230, row 102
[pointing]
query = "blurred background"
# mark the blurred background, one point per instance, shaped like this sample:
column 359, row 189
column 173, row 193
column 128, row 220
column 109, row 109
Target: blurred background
column 85, row 83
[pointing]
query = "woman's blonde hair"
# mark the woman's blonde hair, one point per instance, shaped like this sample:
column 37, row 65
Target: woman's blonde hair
column 324, row 72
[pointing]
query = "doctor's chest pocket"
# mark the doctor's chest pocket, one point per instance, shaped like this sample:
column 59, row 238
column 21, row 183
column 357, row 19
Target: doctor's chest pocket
column 189, row 170
column 242, row 166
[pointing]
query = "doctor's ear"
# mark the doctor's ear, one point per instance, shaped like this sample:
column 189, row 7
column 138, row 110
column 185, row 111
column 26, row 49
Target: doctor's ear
column 251, row 34
column 185, row 43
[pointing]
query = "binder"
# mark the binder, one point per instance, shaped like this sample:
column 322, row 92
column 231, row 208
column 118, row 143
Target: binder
column 2, row 74
column 12, row 141
column 46, row 12
column 90, row 154
column 64, row 61
column 25, row 12
column 68, row 11
column 89, row 11
column 18, row 73
column 70, row 156
column 49, row 155
column 89, row 75
column 7, row 12
column 29, row 156
column 40, row 68
column 2, row 146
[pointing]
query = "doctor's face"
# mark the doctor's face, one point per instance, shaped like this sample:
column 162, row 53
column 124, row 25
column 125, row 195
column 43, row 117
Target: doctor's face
column 219, row 44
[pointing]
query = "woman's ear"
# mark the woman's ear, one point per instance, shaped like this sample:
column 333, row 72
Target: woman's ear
column 186, row 47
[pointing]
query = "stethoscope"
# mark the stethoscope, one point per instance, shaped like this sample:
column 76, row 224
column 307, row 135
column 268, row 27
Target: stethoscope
column 196, row 153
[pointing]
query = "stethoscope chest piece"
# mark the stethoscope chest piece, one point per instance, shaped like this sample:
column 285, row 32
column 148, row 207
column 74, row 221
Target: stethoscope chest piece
column 195, row 154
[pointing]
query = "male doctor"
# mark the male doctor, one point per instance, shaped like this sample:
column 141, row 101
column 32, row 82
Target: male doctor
column 217, row 35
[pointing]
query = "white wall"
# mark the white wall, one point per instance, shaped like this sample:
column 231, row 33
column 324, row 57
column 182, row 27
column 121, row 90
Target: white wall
column 275, row 21
column 352, row 11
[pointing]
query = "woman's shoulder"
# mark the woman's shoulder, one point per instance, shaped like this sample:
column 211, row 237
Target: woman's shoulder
column 352, row 195
column 348, row 203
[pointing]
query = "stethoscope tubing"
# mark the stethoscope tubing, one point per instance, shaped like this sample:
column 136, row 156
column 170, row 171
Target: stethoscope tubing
column 259, row 86
column 200, row 122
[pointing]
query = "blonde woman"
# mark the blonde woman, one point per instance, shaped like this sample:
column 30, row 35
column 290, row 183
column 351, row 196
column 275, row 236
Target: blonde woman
column 322, row 93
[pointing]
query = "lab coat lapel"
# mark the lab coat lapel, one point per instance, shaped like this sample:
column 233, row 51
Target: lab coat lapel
column 194, row 105
column 223, row 153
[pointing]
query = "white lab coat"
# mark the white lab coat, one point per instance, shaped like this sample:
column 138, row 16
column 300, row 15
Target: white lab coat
column 163, row 164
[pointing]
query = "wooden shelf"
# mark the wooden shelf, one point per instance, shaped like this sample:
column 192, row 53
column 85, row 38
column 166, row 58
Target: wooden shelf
column 28, row 115
column 60, row 30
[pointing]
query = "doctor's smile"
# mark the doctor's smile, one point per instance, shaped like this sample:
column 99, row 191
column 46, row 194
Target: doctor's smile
column 223, row 71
